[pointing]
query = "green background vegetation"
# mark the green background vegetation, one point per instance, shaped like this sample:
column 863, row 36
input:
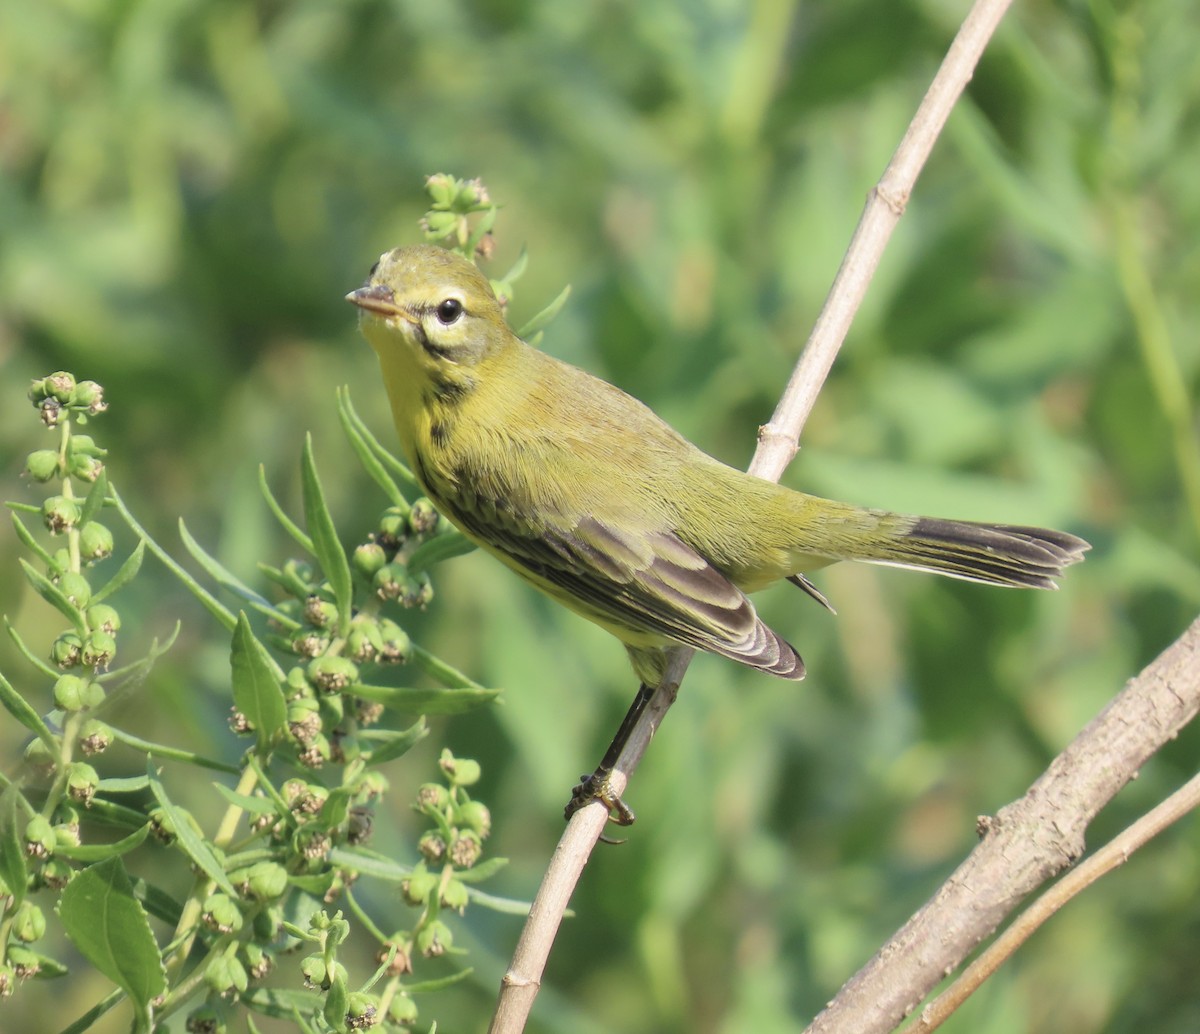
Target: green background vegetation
column 188, row 188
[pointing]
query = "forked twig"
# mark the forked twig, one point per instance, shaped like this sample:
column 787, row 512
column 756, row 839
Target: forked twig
column 1111, row 856
column 1024, row 844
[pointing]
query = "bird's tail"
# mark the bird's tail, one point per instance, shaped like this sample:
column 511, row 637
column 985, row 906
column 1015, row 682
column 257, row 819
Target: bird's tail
column 996, row 554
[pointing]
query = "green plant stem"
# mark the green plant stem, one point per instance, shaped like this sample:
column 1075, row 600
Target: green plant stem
column 1150, row 325
column 1161, row 362
column 186, row 987
column 189, row 916
column 68, row 492
column 70, row 734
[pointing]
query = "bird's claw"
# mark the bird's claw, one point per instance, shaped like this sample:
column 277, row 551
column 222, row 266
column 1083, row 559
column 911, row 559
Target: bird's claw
column 598, row 787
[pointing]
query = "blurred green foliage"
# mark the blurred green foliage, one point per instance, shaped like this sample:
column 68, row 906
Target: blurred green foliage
column 188, row 188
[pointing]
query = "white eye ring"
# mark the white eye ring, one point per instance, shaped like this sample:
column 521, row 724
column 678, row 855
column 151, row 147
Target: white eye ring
column 449, row 311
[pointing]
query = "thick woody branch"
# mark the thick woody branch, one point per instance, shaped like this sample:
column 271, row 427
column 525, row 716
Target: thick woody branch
column 1025, row 844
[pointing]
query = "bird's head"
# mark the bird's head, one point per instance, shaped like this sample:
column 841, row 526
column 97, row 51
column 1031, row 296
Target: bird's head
column 432, row 301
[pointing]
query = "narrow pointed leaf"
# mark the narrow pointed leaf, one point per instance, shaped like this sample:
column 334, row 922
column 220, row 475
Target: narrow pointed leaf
column 335, row 1003
column 110, row 928
column 210, row 602
column 98, row 852
column 195, row 848
column 12, row 850
column 254, row 805
column 483, row 227
column 95, row 498
column 431, row 700
column 326, row 545
column 17, row 706
column 369, row 863
column 30, row 543
column 53, row 595
column 385, row 457
column 445, row 673
column 173, row 753
column 289, row 525
column 371, row 463
column 125, row 574
column 256, row 689
column 438, row 983
column 517, row 270
column 483, row 871
column 441, row 547
column 227, row 579
column 543, row 318
column 391, row 745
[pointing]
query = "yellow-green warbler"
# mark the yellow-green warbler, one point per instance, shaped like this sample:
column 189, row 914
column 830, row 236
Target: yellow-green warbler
column 588, row 495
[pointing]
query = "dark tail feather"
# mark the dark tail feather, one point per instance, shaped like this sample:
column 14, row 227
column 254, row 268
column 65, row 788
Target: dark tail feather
column 996, row 554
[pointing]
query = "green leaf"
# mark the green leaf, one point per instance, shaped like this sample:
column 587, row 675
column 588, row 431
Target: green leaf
column 438, row 983
column 333, row 811
column 506, row 906
column 385, row 457
column 543, row 318
column 12, row 850
column 160, row 750
column 88, row 1019
column 95, row 498
column 366, row 456
column 282, row 1002
column 326, row 546
column 30, row 543
column 317, row 885
column 253, row 805
column 427, row 700
column 195, row 848
column 483, row 871
column 158, row 902
column 17, row 706
column 211, row 603
column 123, row 784
column 228, row 580
column 440, row 670
column 48, row 968
column 335, row 1003
column 441, row 547
column 369, row 863
column 125, row 573
column 289, row 525
column 98, row 852
column 517, row 270
column 109, row 927
column 387, row 746
column 132, row 674
column 53, row 595
column 257, row 692
column 483, row 227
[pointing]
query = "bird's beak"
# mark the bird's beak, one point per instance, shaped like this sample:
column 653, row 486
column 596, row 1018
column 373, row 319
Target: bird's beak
column 377, row 299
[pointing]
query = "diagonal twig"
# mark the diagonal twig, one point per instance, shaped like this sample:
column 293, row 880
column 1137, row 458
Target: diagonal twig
column 778, row 441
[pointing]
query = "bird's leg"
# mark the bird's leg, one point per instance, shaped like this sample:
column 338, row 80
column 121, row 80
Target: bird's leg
column 598, row 785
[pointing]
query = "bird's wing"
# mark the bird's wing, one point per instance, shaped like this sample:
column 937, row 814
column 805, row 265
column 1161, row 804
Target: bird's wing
column 648, row 582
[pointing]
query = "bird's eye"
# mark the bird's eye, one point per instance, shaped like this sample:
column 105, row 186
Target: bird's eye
column 449, row 311
column 373, row 269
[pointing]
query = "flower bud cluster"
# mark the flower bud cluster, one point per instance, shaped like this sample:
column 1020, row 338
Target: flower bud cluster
column 320, row 689
column 60, row 395
column 453, row 202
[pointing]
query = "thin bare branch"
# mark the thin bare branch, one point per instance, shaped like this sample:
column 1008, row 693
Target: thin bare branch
column 777, row 444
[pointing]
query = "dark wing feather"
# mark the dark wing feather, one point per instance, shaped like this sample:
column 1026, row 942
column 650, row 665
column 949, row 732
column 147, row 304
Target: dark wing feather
column 653, row 583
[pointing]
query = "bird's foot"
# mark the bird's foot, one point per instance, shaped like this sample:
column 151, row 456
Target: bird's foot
column 598, row 787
